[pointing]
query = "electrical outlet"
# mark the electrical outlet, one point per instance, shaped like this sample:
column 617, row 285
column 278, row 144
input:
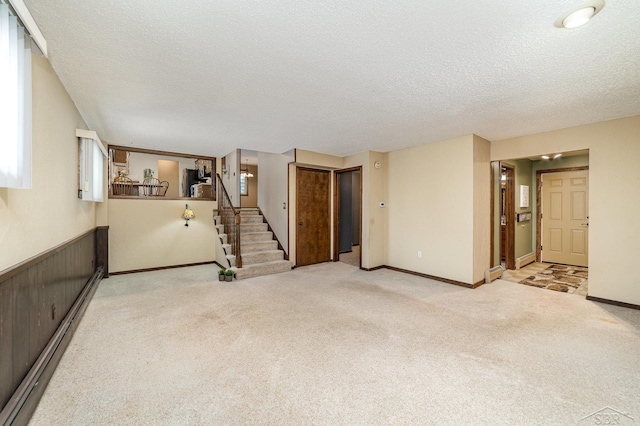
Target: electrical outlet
column 419, row 253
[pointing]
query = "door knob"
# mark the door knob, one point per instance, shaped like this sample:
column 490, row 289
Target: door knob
column 300, row 223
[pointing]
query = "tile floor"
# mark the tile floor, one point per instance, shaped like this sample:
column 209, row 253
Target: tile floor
column 536, row 268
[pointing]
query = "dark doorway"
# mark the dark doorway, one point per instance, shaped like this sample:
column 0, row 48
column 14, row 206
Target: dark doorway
column 348, row 216
column 313, row 235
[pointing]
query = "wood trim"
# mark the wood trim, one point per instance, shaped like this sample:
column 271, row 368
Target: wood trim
column 165, row 153
column 25, row 399
column 361, row 207
column 160, row 268
column 539, row 174
column 431, row 277
column 37, row 296
column 510, row 214
column 336, row 211
column 23, row 266
column 613, row 302
column 495, row 169
column 538, row 216
column 568, row 169
column 335, row 250
column 157, row 197
column 102, row 249
column 375, row 268
column 289, row 224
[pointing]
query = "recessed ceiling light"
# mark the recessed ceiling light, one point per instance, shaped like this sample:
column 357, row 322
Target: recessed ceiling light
column 545, row 157
column 580, row 15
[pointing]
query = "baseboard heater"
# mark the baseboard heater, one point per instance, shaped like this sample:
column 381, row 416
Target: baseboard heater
column 525, row 260
column 25, row 399
column 493, row 274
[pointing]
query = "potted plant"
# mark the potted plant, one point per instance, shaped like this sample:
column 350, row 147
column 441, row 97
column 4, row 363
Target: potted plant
column 228, row 275
column 221, row 274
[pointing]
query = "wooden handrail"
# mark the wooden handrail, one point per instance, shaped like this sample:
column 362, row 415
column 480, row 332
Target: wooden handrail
column 230, row 220
column 223, row 190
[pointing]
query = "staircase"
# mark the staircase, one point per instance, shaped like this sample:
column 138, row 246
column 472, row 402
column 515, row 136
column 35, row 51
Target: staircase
column 258, row 247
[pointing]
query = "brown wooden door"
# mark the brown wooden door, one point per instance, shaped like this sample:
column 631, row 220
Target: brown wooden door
column 313, row 222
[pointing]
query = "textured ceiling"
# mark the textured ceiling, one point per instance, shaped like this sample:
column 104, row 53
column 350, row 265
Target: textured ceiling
column 337, row 76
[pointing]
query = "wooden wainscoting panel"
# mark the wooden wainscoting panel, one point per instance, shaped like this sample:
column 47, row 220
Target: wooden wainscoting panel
column 35, row 296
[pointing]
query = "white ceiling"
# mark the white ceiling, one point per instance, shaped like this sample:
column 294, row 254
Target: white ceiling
column 337, row 76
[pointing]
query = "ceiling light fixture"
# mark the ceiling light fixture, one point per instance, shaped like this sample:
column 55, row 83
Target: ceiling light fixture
column 245, row 172
column 557, row 156
column 545, row 157
column 580, row 15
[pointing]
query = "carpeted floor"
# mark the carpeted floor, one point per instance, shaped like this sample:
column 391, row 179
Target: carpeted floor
column 331, row 344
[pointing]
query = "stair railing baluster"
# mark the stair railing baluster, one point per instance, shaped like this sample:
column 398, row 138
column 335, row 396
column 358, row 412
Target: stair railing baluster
column 231, row 219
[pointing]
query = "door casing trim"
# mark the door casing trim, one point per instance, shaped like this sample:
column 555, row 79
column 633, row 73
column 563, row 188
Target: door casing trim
column 539, row 174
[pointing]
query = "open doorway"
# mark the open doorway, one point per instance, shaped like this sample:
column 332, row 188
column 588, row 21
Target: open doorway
column 348, row 216
column 248, row 179
column 549, row 217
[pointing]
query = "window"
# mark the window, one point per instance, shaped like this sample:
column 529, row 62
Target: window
column 15, row 103
column 92, row 154
column 243, row 184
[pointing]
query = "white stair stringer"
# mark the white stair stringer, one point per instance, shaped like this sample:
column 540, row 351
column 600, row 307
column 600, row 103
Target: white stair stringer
column 223, row 250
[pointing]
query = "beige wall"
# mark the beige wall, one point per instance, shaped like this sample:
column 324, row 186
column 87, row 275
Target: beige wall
column 614, row 179
column 150, row 233
column 231, row 179
column 317, row 159
column 273, row 192
column 35, row 220
column 374, row 217
column 481, row 207
column 524, row 240
column 431, row 209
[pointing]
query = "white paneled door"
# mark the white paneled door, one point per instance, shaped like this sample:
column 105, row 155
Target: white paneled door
column 565, row 218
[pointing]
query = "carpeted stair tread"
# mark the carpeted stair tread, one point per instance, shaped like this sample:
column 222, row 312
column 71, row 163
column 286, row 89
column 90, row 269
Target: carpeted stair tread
column 267, row 268
column 253, row 227
column 247, row 237
column 251, row 218
column 261, row 257
column 251, row 247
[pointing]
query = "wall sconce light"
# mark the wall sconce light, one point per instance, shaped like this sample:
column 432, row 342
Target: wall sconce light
column 187, row 214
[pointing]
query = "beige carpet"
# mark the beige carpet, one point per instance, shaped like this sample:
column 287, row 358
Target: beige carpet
column 331, row 344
